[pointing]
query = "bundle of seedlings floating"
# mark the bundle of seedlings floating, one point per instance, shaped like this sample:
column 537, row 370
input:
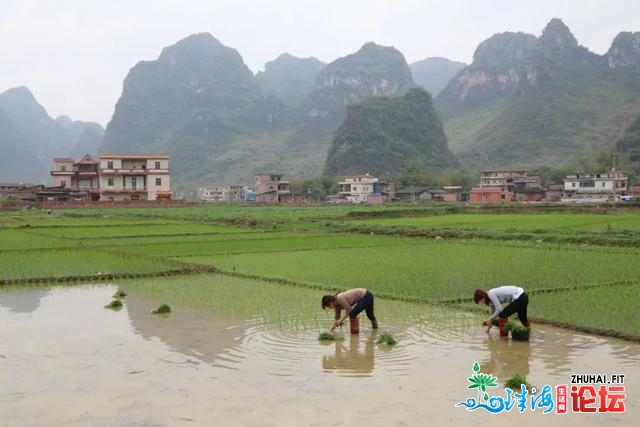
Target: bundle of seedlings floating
column 516, row 381
column 162, row 309
column 326, row 337
column 386, row 339
column 518, row 332
column 120, row 294
column 116, row 304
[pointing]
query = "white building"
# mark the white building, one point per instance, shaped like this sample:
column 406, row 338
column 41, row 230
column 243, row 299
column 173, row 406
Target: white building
column 222, row 193
column 359, row 188
column 595, row 187
column 134, row 177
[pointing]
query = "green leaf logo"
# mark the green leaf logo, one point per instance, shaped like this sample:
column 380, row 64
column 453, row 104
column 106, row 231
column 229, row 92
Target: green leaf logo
column 481, row 381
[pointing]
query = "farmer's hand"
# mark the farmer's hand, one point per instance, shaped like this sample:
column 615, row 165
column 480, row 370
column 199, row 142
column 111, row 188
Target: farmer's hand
column 486, row 322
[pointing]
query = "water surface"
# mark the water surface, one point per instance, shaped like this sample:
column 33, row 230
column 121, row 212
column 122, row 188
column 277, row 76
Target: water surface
column 67, row 361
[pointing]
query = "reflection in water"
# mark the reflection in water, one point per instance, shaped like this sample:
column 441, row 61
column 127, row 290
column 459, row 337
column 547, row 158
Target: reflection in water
column 113, row 369
column 203, row 335
column 507, row 357
column 22, row 300
column 557, row 348
column 352, row 360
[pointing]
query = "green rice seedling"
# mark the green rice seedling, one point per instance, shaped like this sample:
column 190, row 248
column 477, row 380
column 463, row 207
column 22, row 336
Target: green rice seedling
column 326, row 337
column 120, row 294
column 386, row 339
column 162, row 309
column 116, row 304
column 518, row 332
column 516, row 381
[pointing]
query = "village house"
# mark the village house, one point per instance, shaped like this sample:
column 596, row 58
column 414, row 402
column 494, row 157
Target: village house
column 271, row 188
column 452, row 193
column 73, row 179
column 554, row 193
column 222, row 193
column 503, row 185
column 488, row 195
column 13, row 188
column 363, row 189
column 417, row 194
column 413, row 194
column 595, row 187
column 134, row 177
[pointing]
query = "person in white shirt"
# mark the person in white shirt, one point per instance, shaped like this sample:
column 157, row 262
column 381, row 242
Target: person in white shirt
column 504, row 301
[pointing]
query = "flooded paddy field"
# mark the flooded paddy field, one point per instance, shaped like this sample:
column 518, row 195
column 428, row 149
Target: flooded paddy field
column 241, row 348
column 236, row 352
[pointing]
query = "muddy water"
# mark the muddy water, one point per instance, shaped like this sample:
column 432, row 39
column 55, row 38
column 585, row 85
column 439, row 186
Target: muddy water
column 67, row 361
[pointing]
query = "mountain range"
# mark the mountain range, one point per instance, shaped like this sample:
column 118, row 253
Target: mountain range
column 199, row 103
column 30, row 139
column 539, row 101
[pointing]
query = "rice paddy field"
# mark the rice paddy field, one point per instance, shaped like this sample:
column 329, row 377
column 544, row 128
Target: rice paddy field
column 325, row 248
column 244, row 286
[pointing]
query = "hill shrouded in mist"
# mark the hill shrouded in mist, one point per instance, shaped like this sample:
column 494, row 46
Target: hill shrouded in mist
column 540, row 101
column 200, row 104
column 433, row 74
column 30, row 139
column 289, row 78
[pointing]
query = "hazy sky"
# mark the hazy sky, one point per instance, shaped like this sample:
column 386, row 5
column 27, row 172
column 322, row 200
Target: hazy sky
column 75, row 54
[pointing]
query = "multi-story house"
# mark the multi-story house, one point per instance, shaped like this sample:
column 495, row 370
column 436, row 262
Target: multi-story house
column 595, row 187
column 222, row 193
column 271, row 188
column 501, row 185
column 79, row 176
column 503, row 177
column 134, row 177
column 363, row 189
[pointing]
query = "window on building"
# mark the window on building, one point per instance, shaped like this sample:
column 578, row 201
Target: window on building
column 63, row 184
column 157, row 165
column 603, row 184
column 134, row 183
column 63, row 168
column 109, row 165
column 110, row 182
column 158, row 181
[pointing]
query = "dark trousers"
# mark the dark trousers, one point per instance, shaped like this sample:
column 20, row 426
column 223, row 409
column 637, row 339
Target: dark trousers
column 365, row 303
column 518, row 306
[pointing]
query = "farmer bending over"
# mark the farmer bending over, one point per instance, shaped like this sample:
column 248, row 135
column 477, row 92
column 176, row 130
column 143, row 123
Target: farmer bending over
column 515, row 299
column 352, row 302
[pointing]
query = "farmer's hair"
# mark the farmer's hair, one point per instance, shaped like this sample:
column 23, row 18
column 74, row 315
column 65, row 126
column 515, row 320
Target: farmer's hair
column 479, row 295
column 327, row 299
